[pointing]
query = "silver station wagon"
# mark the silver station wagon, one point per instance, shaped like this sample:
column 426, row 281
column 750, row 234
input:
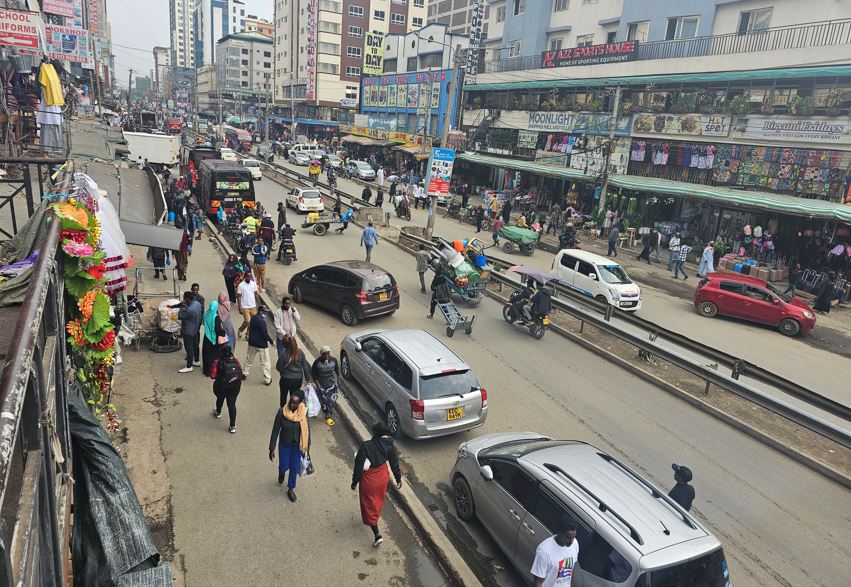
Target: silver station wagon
column 424, row 389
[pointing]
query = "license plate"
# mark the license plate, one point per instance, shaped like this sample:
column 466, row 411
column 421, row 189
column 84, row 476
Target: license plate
column 382, row 297
column 454, row 413
column 546, row 321
column 627, row 304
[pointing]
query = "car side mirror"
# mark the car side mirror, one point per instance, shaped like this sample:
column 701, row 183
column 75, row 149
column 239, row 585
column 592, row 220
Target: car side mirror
column 775, row 301
column 593, row 276
column 358, row 347
column 487, row 472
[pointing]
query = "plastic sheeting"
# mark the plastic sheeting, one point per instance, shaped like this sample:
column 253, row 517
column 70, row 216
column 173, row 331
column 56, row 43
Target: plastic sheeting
column 111, row 544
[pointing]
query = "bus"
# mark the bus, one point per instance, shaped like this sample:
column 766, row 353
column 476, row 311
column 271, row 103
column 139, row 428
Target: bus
column 224, row 184
column 238, row 139
column 190, row 161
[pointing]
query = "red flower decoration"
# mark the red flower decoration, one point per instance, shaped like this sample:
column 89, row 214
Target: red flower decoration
column 106, row 342
column 78, row 236
column 97, row 271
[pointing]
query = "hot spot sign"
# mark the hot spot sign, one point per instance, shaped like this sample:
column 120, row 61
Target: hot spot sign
column 590, row 55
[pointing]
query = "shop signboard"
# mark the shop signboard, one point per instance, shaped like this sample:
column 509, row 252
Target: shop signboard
column 58, row 7
column 361, row 120
column 380, row 134
column 373, row 58
column 693, row 125
column 590, row 55
column 310, row 89
column 68, row 44
column 94, row 23
column 348, row 102
column 382, row 122
column 76, row 20
column 831, row 131
column 440, row 171
column 477, row 19
column 567, row 122
column 527, row 139
column 20, row 29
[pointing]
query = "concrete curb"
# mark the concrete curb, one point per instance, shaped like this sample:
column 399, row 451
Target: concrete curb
column 435, row 539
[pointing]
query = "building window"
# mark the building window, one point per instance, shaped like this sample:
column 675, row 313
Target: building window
column 514, row 48
column 326, row 26
column 397, row 18
column 329, row 6
column 352, row 71
column 417, row 22
column 352, row 92
column 378, row 14
column 332, row 68
column 353, row 52
column 356, row 11
column 519, row 7
column 400, row 1
column 555, row 44
column 412, row 64
column 355, row 31
column 560, row 5
column 431, row 60
column 420, row 3
column 267, row 53
column 682, row 27
column 584, row 40
column 637, row 31
column 755, row 20
column 329, row 48
column 267, row 64
column 500, row 14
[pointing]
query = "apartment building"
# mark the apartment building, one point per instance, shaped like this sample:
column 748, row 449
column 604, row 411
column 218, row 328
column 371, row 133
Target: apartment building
column 162, row 65
column 181, row 33
column 455, row 15
column 254, row 24
column 431, row 47
column 211, row 21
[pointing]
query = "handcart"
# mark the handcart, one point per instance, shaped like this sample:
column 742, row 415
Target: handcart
column 320, row 222
column 524, row 239
column 467, row 273
column 454, row 318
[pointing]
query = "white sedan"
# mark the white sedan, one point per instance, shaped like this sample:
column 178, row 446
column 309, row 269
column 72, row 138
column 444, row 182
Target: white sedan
column 228, row 154
column 305, row 200
column 253, row 165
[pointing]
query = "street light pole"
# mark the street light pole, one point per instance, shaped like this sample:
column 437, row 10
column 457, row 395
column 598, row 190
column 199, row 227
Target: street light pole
column 613, row 122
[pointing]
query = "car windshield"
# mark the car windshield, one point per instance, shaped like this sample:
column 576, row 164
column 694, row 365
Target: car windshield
column 363, row 166
column 310, row 194
column 333, row 159
column 707, row 571
column 613, row 274
column 377, row 282
column 448, row 384
column 250, row 163
column 785, row 297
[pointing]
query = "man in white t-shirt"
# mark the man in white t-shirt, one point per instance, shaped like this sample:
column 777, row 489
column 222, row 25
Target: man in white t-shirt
column 556, row 556
column 246, row 300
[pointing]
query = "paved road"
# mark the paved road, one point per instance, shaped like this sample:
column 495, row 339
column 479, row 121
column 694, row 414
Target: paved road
column 780, row 523
column 801, row 359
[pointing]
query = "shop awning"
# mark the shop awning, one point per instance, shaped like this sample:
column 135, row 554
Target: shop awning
column 308, row 121
column 529, row 166
column 365, row 141
column 415, row 150
column 378, row 143
column 732, row 198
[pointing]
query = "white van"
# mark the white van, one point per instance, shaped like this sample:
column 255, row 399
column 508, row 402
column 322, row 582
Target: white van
column 597, row 277
column 303, row 148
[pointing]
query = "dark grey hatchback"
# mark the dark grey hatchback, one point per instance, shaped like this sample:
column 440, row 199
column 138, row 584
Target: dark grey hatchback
column 354, row 290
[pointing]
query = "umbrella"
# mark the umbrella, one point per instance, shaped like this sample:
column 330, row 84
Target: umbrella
column 232, row 120
column 536, row 274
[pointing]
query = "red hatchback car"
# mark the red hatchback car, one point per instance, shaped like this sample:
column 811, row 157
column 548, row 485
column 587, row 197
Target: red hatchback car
column 749, row 298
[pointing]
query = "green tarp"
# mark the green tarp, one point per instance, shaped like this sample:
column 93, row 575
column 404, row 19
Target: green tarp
column 519, row 235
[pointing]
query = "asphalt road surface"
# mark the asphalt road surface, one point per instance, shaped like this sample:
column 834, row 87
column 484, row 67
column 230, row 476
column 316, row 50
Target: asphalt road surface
column 780, row 523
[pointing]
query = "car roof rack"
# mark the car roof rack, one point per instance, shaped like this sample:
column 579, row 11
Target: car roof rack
column 653, row 491
column 601, row 505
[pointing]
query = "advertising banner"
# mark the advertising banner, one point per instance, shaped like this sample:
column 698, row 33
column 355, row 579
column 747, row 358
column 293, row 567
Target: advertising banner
column 20, row 29
column 310, row 89
column 477, row 19
column 94, row 22
column 440, row 171
column 76, row 21
column 811, row 130
column 58, row 7
column 694, row 125
column 569, row 122
column 373, row 53
column 590, row 55
column 69, row 44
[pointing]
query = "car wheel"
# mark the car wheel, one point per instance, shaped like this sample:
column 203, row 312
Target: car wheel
column 391, row 419
column 345, row 367
column 297, row 296
column 789, row 327
column 601, row 299
column 708, row 309
column 348, row 316
column 463, row 498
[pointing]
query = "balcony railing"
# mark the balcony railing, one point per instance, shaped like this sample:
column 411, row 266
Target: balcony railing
column 816, row 34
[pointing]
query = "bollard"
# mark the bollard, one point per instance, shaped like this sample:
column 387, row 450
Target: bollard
column 387, row 219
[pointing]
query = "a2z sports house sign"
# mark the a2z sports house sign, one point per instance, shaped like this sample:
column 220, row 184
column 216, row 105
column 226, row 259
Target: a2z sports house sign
column 590, row 55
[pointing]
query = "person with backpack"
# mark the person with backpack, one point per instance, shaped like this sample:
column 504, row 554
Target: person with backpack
column 370, row 476
column 227, row 376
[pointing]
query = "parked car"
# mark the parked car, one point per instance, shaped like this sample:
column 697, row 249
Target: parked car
column 353, row 290
column 299, row 158
column 253, row 165
column 364, row 170
column 597, row 277
column 749, row 298
column 266, row 152
column 305, row 200
column 424, row 389
column 228, row 154
column 332, row 160
column 519, row 485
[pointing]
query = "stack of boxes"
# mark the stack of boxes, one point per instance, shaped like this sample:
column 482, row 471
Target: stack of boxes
column 732, row 263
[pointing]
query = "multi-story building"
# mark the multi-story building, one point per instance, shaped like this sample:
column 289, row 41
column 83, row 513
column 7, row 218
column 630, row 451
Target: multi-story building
column 206, row 90
column 455, row 14
column 212, row 20
column 240, row 80
column 431, row 47
column 182, row 33
column 254, row 24
column 319, row 56
column 162, row 65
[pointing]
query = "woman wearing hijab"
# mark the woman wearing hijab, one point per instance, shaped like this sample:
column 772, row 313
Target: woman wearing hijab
column 291, row 433
column 292, row 367
column 213, row 329
column 230, row 273
column 371, row 474
column 223, row 313
column 707, row 260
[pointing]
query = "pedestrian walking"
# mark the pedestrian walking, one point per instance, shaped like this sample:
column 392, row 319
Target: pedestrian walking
column 379, row 177
column 326, row 375
column 656, row 243
column 195, row 288
column 260, row 252
column 227, row 376
column 556, row 556
column 286, row 320
column 825, row 292
column 707, row 260
column 291, row 434
column 423, row 259
column 223, row 313
column 181, row 255
column 159, row 258
column 680, row 262
column 293, row 369
column 794, row 271
column 647, row 243
column 379, row 198
column 198, row 222
column 282, row 216
column 439, row 292
column 496, row 228
column 369, row 239
column 259, row 342
column 552, row 223
column 230, row 273
column 614, row 233
column 682, row 492
column 366, row 194
column 480, row 217
column 506, row 211
column 213, row 332
column 246, row 300
column 190, row 316
column 673, row 250
column 370, row 476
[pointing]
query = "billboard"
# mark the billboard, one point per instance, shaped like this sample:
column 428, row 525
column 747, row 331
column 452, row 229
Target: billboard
column 58, row 7
column 590, row 55
column 68, row 44
column 477, row 19
column 310, row 89
column 440, row 171
column 373, row 55
column 695, row 125
column 810, row 130
column 20, row 29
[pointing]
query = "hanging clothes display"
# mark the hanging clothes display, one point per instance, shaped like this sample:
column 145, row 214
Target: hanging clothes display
column 49, row 119
column 51, row 88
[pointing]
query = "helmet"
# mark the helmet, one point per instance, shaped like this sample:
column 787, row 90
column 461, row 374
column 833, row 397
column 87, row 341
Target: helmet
column 570, row 225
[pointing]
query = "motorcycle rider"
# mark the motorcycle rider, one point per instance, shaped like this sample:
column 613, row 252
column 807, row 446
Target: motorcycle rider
column 521, row 303
column 404, row 206
column 332, row 176
column 567, row 240
column 287, row 234
column 540, row 304
column 313, row 170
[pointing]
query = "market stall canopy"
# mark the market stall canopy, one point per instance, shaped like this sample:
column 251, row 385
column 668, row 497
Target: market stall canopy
column 807, row 208
column 529, row 166
column 378, row 143
column 415, row 150
column 232, row 119
column 365, row 141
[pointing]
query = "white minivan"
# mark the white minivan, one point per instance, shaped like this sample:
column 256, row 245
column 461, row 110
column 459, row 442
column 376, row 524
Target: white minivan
column 597, row 277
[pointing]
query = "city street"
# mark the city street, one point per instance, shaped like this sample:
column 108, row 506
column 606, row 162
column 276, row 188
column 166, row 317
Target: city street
column 768, row 511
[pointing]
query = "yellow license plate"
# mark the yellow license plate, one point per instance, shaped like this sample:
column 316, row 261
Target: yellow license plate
column 382, row 297
column 454, row 413
column 546, row 321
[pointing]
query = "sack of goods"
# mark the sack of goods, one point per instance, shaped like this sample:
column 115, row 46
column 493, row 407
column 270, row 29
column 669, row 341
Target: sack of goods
column 168, row 320
column 519, row 235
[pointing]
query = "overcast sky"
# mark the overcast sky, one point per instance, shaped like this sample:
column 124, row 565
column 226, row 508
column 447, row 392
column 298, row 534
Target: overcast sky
column 143, row 25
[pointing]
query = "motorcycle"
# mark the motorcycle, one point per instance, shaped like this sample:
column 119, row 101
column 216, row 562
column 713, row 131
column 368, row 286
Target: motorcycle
column 403, row 212
column 566, row 242
column 286, row 252
column 537, row 326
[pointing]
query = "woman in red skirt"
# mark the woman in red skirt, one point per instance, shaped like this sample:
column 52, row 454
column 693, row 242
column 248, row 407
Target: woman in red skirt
column 371, row 473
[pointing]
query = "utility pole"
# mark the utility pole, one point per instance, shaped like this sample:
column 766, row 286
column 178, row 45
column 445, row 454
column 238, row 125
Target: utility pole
column 129, row 89
column 219, row 84
column 268, row 98
column 292, row 108
column 450, row 96
column 613, row 122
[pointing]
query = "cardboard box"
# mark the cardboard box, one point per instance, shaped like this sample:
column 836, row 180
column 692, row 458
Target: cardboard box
column 763, row 273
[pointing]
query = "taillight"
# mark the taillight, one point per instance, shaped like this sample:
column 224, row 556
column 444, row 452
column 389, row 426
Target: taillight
column 484, row 397
column 417, row 409
column 361, row 296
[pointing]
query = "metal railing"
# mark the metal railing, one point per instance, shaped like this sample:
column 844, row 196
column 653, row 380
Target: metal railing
column 35, row 454
column 815, row 34
column 32, row 173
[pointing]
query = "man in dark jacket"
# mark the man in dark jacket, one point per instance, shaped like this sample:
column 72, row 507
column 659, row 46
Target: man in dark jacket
column 326, row 373
column 366, row 194
column 282, row 216
column 682, row 492
column 259, row 342
column 190, row 315
column 439, row 292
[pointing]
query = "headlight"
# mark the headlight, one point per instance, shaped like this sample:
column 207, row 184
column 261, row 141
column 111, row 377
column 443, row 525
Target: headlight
column 615, row 295
column 809, row 315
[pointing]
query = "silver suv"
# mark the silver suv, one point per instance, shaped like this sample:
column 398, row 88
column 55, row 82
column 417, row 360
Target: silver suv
column 630, row 533
column 424, row 389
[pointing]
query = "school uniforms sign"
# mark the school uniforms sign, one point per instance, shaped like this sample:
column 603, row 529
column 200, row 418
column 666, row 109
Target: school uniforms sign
column 810, row 130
